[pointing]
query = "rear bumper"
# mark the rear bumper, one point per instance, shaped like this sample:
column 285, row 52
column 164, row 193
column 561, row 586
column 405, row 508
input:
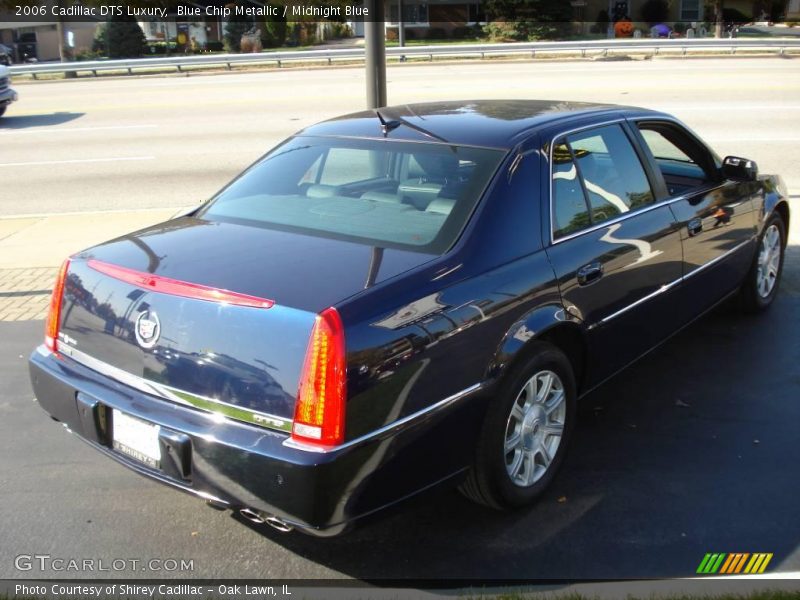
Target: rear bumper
column 244, row 466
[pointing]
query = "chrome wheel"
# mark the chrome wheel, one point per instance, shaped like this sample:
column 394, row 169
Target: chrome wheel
column 769, row 261
column 534, row 428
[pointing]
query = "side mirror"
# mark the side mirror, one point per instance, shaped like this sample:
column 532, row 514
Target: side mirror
column 739, row 169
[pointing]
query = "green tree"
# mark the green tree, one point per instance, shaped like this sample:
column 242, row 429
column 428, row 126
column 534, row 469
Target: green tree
column 529, row 19
column 236, row 27
column 274, row 34
column 125, row 38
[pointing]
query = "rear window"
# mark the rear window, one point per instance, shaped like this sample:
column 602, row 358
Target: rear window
column 409, row 195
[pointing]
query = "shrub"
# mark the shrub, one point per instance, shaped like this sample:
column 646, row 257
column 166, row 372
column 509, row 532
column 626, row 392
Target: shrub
column 86, row 54
column 655, row 12
column 464, row 32
column 125, row 38
column 274, row 34
column 436, row 33
column 215, row 46
column 234, row 31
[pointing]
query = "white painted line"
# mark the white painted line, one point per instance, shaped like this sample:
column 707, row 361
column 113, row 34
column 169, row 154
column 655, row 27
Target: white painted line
column 75, row 161
column 745, row 138
column 726, row 107
column 72, row 129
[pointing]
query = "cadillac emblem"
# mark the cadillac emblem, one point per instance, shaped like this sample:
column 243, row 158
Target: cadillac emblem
column 147, row 328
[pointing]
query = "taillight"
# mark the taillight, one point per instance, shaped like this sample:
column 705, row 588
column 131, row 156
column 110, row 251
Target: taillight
column 321, row 396
column 54, row 314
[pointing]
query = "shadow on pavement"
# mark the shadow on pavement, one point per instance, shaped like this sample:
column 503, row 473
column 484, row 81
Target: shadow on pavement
column 25, row 122
column 692, row 450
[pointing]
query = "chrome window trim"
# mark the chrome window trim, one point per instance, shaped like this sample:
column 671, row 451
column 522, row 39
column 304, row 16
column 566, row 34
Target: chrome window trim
column 550, row 160
column 668, row 286
column 392, row 427
column 659, row 203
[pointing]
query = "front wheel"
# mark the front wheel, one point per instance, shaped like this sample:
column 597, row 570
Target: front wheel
column 761, row 284
column 525, row 433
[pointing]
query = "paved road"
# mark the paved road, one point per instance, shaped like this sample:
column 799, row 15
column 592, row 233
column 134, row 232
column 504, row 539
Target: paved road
column 693, row 450
column 171, row 141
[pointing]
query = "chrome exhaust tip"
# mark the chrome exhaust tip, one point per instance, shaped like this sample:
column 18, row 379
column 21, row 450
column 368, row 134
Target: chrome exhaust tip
column 252, row 515
column 278, row 524
column 260, row 518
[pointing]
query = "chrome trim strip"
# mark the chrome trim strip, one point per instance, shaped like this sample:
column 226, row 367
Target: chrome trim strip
column 204, row 403
column 610, row 222
column 386, row 429
column 664, row 288
column 668, row 286
column 715, row 260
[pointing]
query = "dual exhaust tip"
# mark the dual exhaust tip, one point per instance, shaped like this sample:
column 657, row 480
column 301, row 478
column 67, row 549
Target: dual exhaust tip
column 260, row 518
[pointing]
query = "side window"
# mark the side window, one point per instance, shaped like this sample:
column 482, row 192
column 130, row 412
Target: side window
column 597, row 176
column 683, row 162
column 570, row 211
column 612, row 174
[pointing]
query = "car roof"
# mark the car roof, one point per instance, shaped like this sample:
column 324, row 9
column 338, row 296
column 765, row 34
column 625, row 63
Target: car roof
column 488, row 123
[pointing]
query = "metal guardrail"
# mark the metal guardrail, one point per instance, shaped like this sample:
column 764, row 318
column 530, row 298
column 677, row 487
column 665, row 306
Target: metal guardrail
column 603, row 47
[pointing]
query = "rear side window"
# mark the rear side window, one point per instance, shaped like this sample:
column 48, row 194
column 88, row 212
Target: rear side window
column 601, row 168
column 385, row 193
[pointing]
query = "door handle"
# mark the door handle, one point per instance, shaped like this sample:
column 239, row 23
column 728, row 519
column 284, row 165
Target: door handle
column 589, row 273
column 694, row 226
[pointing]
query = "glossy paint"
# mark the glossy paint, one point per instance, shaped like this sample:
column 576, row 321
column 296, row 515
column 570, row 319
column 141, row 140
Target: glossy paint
column 427, row 337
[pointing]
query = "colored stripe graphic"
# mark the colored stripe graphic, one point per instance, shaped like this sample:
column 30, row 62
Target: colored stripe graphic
column 734, row 563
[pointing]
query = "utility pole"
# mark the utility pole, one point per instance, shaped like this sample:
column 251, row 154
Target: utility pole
column 718, row 18
column 375, row 42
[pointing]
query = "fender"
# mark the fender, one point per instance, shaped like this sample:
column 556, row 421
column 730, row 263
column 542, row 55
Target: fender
column 775, row 193
column 530, row 327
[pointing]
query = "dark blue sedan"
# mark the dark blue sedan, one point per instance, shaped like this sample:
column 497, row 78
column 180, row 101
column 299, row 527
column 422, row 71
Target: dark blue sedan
column 402, row 298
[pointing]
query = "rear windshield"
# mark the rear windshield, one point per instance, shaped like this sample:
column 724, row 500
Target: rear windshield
column 409, row 195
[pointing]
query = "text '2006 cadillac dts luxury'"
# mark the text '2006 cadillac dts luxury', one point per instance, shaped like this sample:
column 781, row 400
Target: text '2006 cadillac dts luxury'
column 400, row 298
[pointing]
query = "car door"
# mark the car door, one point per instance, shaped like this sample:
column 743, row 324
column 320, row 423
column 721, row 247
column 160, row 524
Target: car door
column 615, row 250
column 717, row 218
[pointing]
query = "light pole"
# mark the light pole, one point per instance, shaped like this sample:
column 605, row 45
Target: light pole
column 375, row 42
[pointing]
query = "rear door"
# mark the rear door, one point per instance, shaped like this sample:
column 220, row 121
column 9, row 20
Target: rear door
column 615, row 250
column 717, row 218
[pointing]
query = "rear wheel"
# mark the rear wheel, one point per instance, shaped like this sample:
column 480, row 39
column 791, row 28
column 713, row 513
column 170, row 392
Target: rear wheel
column 525, row 433
column 761, row 284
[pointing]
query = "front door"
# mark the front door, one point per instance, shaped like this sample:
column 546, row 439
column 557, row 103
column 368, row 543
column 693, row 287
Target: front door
column 717, row 218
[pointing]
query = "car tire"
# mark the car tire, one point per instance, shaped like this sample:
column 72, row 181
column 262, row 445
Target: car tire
column 2, row 110
column 507, row 474
column 763, row 279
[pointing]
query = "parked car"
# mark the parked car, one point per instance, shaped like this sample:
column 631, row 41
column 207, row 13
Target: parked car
column 402, row 298
column 7, row 94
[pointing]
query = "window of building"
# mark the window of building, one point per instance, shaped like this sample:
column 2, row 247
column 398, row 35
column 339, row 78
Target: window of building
column 413, row 12
column 690, row 10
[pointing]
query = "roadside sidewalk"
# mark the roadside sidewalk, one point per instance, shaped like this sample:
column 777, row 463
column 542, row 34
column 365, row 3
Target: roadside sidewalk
column 33, row 247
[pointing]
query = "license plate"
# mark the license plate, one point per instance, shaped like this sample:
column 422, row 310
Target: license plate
column 136, row 438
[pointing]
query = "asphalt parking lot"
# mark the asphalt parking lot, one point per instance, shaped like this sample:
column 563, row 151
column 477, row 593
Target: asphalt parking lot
column 693, row 450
